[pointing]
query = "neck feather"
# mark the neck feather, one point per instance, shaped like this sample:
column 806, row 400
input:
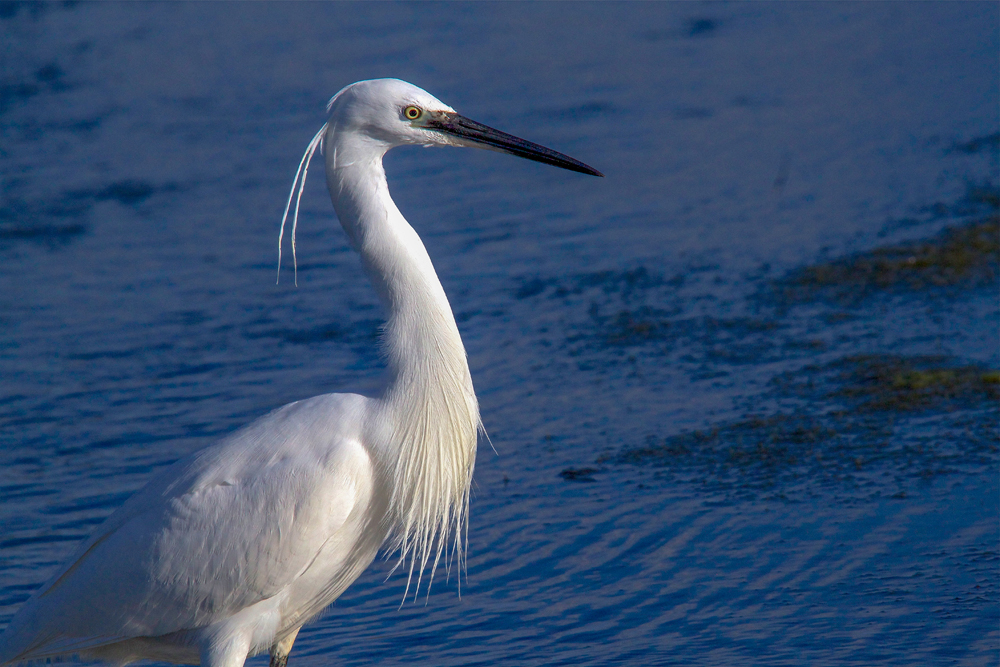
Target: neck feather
column 428, row 417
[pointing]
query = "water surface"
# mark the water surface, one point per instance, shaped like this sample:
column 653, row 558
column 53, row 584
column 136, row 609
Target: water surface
column 147, row 152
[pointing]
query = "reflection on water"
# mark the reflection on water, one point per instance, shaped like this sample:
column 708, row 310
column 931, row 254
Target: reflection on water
column 733, row 421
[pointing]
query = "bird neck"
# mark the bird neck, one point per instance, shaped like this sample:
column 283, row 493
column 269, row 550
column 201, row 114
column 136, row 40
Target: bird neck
column 420, row 333
column 427, row 421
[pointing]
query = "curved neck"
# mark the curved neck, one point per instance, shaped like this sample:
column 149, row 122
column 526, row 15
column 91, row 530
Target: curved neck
column 420, row 332
column 425, row 425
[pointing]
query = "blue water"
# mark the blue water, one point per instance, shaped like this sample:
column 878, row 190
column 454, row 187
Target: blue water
column 147, row 151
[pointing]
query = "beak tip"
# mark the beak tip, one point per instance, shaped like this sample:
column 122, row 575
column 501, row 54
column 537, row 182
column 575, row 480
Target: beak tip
column 484, row 136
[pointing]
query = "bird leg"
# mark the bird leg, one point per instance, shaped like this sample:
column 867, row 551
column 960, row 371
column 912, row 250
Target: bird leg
column 281, row 649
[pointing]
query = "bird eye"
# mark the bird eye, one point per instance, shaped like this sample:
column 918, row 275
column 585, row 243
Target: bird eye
column 412, row 112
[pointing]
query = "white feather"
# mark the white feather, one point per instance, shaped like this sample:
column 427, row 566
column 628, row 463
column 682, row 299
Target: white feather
column 230, row 550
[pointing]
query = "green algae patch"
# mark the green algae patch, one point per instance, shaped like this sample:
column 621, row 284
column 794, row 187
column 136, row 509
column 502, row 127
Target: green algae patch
column 906, row 384
column 967, row 255
column 758, row 442
column 866, row 426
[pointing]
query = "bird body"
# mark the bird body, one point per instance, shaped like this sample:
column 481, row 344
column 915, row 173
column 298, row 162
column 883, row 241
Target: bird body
column 236, row 545
column 230, row 550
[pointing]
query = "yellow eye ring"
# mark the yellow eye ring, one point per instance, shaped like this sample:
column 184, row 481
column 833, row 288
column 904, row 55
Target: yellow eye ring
column 412, row 113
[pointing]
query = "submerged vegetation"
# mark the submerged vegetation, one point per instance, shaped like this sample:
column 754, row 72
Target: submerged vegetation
column 893, row 383
column 965, row 254
column 856, row 440
column 958, row 256
column 842, row 423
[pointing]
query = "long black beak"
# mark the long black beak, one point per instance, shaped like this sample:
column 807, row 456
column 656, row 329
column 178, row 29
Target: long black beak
column 487, row 137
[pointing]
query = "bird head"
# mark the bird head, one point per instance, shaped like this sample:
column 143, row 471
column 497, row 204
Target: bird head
column 397, row 113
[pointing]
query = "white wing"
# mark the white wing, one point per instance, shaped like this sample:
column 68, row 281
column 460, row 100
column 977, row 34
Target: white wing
column 223, row 529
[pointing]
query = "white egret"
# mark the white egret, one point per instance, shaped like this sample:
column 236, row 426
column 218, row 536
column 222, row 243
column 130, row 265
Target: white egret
column 230, row 550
